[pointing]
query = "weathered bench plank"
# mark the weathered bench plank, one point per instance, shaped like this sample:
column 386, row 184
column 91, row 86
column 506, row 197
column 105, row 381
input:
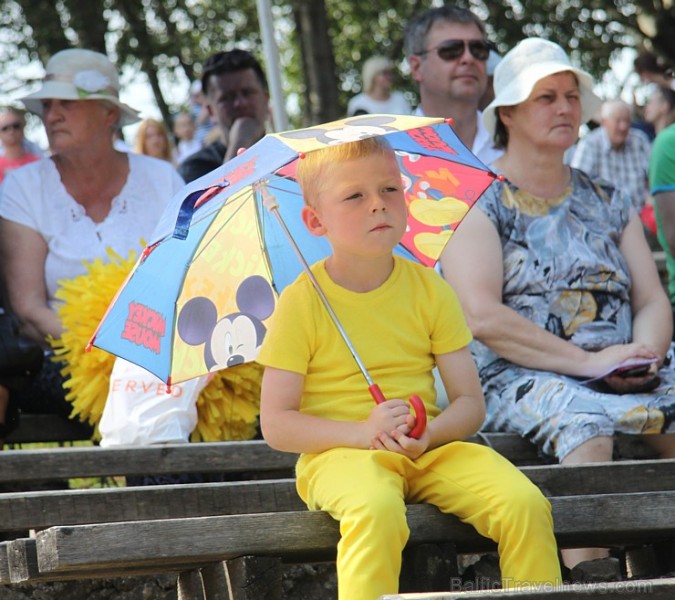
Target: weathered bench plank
column 606, row 519
column 601, row 478
column 38, row 510
column 214, row 457
column 21, row 564
column 4, row 563
column 646, row 589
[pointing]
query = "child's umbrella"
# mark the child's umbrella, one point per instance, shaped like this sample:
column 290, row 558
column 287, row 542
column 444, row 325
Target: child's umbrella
column 201, row 293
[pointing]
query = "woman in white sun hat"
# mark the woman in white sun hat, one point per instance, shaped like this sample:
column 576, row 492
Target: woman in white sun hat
column 557, row 280
column 74, row 205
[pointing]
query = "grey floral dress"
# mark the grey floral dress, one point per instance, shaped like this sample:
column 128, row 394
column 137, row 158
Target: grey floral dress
column 563, row 271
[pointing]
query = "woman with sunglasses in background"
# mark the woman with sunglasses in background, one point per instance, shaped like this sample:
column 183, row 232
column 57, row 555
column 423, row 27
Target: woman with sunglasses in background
column 11, row 135
column 447, row 53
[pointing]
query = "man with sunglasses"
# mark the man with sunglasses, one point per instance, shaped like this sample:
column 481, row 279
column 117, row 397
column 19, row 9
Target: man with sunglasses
column 237, row 98
column 14, row 154
column 447, row 53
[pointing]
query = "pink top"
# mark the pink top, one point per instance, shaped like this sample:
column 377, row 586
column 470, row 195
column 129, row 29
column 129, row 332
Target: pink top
column 7, row 164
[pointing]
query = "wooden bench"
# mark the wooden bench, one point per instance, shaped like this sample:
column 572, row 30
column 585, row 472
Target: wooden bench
column 63, row 552
column 47, row 464
column 591, row 502
column 24, row 465
column 34, row 510
column 22, row 511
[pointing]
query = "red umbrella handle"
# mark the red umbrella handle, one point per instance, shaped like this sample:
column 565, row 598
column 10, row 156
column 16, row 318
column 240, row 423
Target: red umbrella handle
column 418, row 407
column 420, row 416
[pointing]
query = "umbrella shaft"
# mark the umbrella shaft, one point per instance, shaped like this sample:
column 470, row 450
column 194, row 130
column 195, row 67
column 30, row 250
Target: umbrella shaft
column 322, row 296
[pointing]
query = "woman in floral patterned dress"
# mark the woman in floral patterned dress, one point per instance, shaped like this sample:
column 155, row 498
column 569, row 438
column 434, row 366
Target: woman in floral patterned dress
column 557, row 281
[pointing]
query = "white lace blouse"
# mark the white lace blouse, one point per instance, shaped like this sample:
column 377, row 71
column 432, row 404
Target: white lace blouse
column 35, row 197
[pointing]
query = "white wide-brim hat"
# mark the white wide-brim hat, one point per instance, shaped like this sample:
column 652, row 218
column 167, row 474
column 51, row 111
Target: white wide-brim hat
column 530, row 61
column 77, row 74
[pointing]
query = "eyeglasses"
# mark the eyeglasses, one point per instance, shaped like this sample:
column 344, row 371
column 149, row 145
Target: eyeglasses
column 453, row 49
column 10, row 126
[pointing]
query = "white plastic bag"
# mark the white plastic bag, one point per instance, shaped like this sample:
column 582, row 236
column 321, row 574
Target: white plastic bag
column 139, row 411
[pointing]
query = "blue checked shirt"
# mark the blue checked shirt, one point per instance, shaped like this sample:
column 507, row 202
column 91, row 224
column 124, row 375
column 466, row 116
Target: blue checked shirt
column 625, row 168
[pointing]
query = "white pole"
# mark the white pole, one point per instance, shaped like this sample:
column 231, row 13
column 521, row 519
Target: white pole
column 273, row 65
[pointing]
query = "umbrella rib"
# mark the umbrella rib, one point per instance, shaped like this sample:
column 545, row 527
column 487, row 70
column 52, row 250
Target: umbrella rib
column 234, row 198
column 261, row 224
column 260, row 229
column 274, row 209
column 240, row 196
column 280, row 189
column 214, row 232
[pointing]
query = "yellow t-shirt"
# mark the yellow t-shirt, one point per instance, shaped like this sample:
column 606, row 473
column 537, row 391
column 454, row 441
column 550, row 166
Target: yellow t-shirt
column 396, row 330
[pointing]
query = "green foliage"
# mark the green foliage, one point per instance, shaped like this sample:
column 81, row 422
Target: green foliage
column 360, row 30
column 173, row 37
column 591, row 30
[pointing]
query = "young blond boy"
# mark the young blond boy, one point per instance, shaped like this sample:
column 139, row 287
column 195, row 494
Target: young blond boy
column 357, row 462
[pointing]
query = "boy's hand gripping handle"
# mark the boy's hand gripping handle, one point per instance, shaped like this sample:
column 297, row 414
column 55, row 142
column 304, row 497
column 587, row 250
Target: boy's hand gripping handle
column 418, row 407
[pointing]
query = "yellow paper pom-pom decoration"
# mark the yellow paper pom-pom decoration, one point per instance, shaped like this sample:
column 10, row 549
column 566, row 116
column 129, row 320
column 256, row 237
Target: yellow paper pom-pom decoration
column 227, row 408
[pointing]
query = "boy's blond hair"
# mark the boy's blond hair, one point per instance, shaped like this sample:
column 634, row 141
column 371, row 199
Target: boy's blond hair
column 313, row 167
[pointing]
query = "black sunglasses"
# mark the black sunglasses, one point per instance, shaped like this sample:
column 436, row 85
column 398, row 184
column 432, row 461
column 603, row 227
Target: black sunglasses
column 453, row 49
column 10, row 126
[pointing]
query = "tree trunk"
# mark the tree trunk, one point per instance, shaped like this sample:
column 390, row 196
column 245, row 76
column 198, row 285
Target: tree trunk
column 134, row 14
column 87, row 19
column 665, row 32
column 45, row 22
column 318, row 62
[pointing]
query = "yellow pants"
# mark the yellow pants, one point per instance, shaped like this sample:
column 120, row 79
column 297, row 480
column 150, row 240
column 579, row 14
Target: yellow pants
column 366, row 491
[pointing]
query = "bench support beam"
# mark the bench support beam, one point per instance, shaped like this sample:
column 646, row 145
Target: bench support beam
column 243, row 578
column 429, row 567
